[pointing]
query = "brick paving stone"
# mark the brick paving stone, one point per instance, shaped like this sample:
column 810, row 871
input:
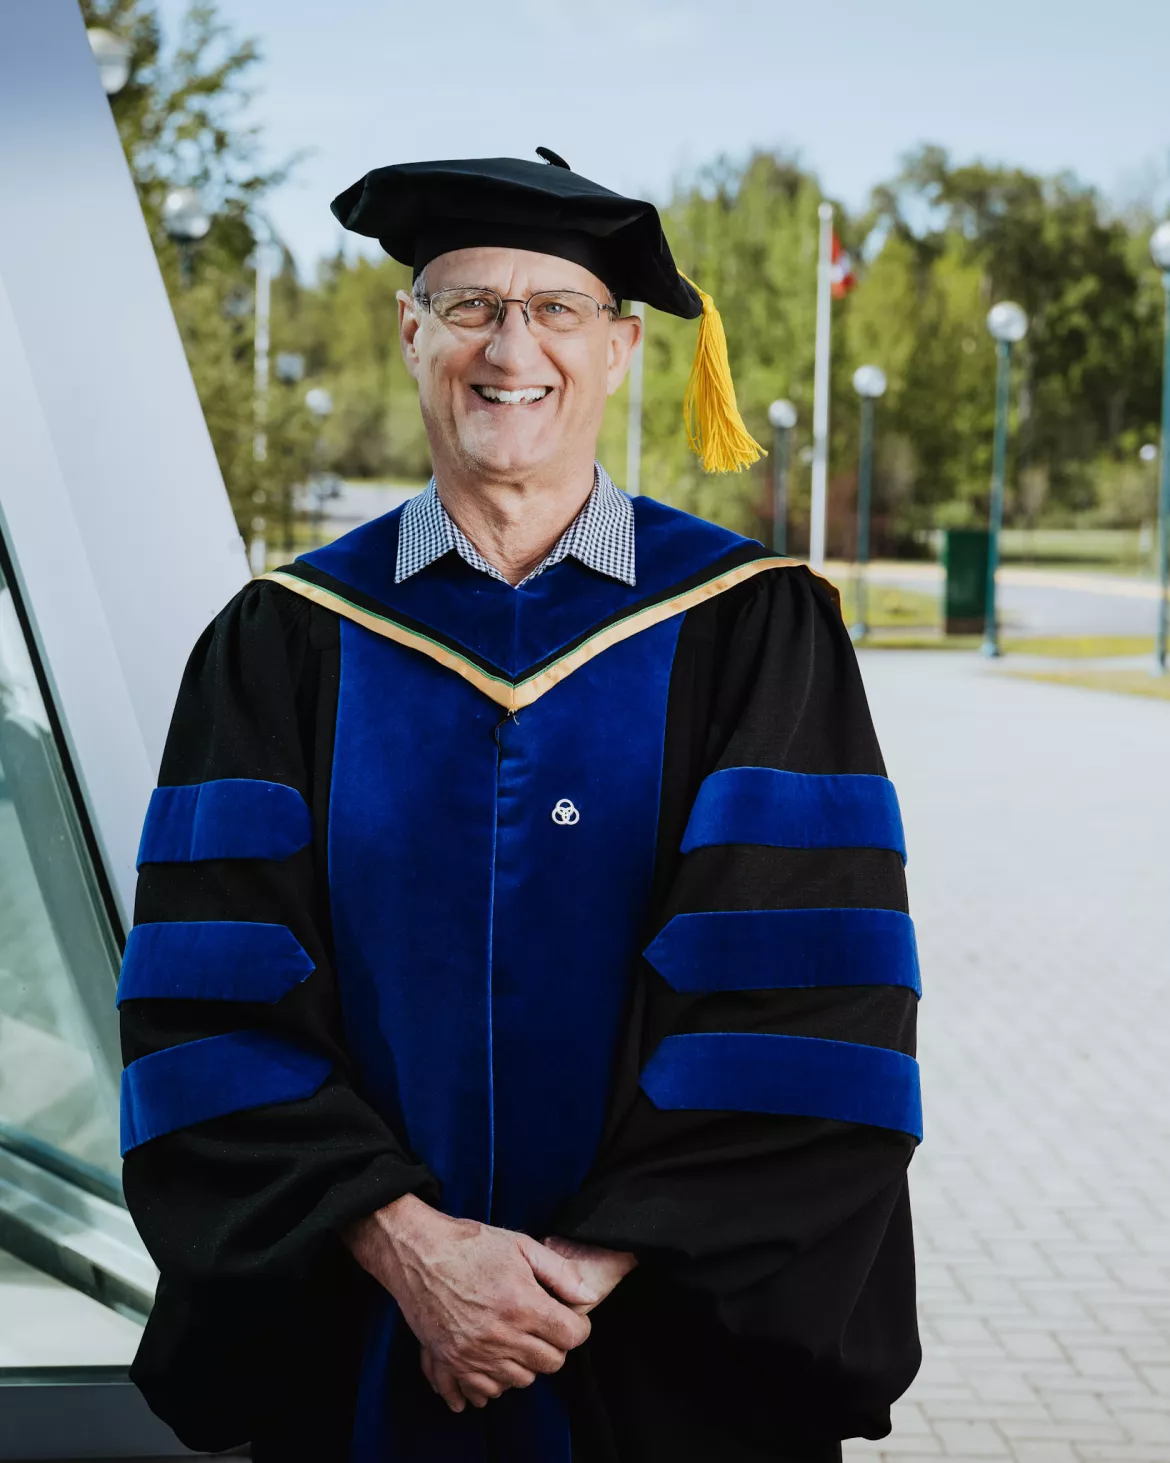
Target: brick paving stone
column 1157, row 1403
column 1078, row 1432
column 1115, row 1387
column 995, row 1385
column 1099, row 1362
column 1123, row 1453
column 970, row 1439
column 970, row 1332
column 1074, row 1406
column 1145, row 1426
column 1031, row 1345
column 1035, row 819
column 913, row 1450
column 905, row 1453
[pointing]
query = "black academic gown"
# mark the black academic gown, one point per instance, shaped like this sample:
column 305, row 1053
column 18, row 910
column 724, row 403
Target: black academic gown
column 575, row 908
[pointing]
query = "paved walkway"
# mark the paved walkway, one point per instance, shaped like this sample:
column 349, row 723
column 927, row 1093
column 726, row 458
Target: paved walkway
column 1038, row 821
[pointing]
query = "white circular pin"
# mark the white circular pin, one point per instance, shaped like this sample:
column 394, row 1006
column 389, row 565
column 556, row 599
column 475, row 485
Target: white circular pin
column 565, row 814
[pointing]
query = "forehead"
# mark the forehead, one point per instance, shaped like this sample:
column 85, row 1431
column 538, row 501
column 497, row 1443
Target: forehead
column 511, row 271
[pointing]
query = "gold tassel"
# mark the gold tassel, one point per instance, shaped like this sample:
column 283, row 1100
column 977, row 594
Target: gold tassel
column 715, row 429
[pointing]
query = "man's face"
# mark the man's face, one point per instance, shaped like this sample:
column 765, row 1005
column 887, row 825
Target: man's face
column 565, row 378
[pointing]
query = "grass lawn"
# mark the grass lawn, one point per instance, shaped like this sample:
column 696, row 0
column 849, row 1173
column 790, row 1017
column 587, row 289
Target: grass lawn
column 1123, row 682
column 891, row 607
column 921, row 641
column 1111, row 548
column 1049, row 647
column 1080, row 647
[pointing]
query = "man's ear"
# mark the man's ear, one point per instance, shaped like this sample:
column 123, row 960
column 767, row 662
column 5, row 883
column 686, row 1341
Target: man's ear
column 624, row 334
column 409, row 320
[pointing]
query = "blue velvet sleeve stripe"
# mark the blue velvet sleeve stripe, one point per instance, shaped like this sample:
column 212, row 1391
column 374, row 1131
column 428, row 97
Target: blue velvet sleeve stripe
column 798, row 1076
column 188, row 1084
column 795, row 810
column 775, row 949
column 212, row 960
column 233, row 817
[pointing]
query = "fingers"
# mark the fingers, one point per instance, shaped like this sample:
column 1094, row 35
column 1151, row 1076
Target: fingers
column 514, row 1327
column 567, row 1248
column 538, row 1355
column 513, row 1374
column 479, row 1389
column 561, row 1275
column 601, row 1269
column 443, row 1382
column 557, row 1325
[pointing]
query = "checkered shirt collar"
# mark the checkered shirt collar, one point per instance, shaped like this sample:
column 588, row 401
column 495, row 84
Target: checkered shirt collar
column 601, row 536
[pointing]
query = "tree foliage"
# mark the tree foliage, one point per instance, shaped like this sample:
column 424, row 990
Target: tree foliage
column 351, row 340
column 941, row 243
column 182, row 118
column 1088, row 371
column 748, row 237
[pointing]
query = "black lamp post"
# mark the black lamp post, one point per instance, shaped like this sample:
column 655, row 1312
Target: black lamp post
column 782, row 415
column 870, row 384
column 186, row 220
column 1008, row 325
column 1160, row 253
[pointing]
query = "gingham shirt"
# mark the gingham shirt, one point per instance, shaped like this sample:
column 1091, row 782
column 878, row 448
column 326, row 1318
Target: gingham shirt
column 601, row 536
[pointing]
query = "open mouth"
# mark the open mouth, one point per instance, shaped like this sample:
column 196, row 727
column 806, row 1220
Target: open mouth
column 525, row 396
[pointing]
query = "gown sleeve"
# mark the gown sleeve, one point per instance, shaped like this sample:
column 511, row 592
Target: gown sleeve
column 246, row 1143
column 767, row 1104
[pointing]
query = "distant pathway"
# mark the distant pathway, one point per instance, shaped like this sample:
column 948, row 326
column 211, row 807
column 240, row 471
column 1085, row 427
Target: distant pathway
column 1044, row 601
column 1038, row 822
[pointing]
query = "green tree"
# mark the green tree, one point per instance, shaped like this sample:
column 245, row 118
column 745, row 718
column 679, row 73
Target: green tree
column 1084, row 378
column 942, row 243
column 182, row 118
column 922, row 322
column 747, row 235
column 351, row 341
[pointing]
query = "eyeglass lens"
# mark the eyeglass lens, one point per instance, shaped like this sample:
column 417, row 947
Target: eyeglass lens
column 478, row 309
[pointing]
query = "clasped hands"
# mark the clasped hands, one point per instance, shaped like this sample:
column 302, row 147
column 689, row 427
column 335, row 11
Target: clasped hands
column 490, row 1308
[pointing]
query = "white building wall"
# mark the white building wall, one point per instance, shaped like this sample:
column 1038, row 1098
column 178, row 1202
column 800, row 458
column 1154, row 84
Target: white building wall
column 110, row 496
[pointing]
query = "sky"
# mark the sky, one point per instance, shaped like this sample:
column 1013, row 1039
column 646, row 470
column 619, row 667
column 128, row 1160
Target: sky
column 635, row 93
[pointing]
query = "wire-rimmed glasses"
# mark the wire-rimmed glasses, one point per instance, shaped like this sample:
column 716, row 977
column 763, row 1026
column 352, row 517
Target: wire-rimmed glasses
column 472, row 307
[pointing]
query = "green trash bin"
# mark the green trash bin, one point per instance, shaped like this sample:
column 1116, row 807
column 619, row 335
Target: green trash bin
column 965, row 597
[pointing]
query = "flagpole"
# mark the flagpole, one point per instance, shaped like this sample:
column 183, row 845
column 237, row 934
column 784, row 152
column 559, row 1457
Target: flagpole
column 820, row 465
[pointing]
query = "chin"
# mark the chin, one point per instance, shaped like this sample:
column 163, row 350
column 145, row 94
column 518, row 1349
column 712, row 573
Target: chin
column 504, row 455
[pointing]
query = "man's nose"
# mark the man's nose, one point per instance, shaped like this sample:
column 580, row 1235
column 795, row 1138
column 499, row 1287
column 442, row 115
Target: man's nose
column 512, row 344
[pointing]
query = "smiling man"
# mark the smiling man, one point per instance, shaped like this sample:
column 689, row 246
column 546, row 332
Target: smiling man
column 513, row 396
column 519, row 1020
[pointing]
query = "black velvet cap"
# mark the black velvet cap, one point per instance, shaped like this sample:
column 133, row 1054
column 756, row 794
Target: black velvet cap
column 418, row 211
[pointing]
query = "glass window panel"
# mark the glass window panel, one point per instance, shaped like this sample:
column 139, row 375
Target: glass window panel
column 48, row 1324
column 58, row 957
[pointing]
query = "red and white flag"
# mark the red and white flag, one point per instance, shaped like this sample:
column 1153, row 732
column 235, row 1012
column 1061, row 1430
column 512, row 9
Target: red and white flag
column 842, row 274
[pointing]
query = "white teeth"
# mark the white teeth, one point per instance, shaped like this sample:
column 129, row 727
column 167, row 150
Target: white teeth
column 513, row 398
